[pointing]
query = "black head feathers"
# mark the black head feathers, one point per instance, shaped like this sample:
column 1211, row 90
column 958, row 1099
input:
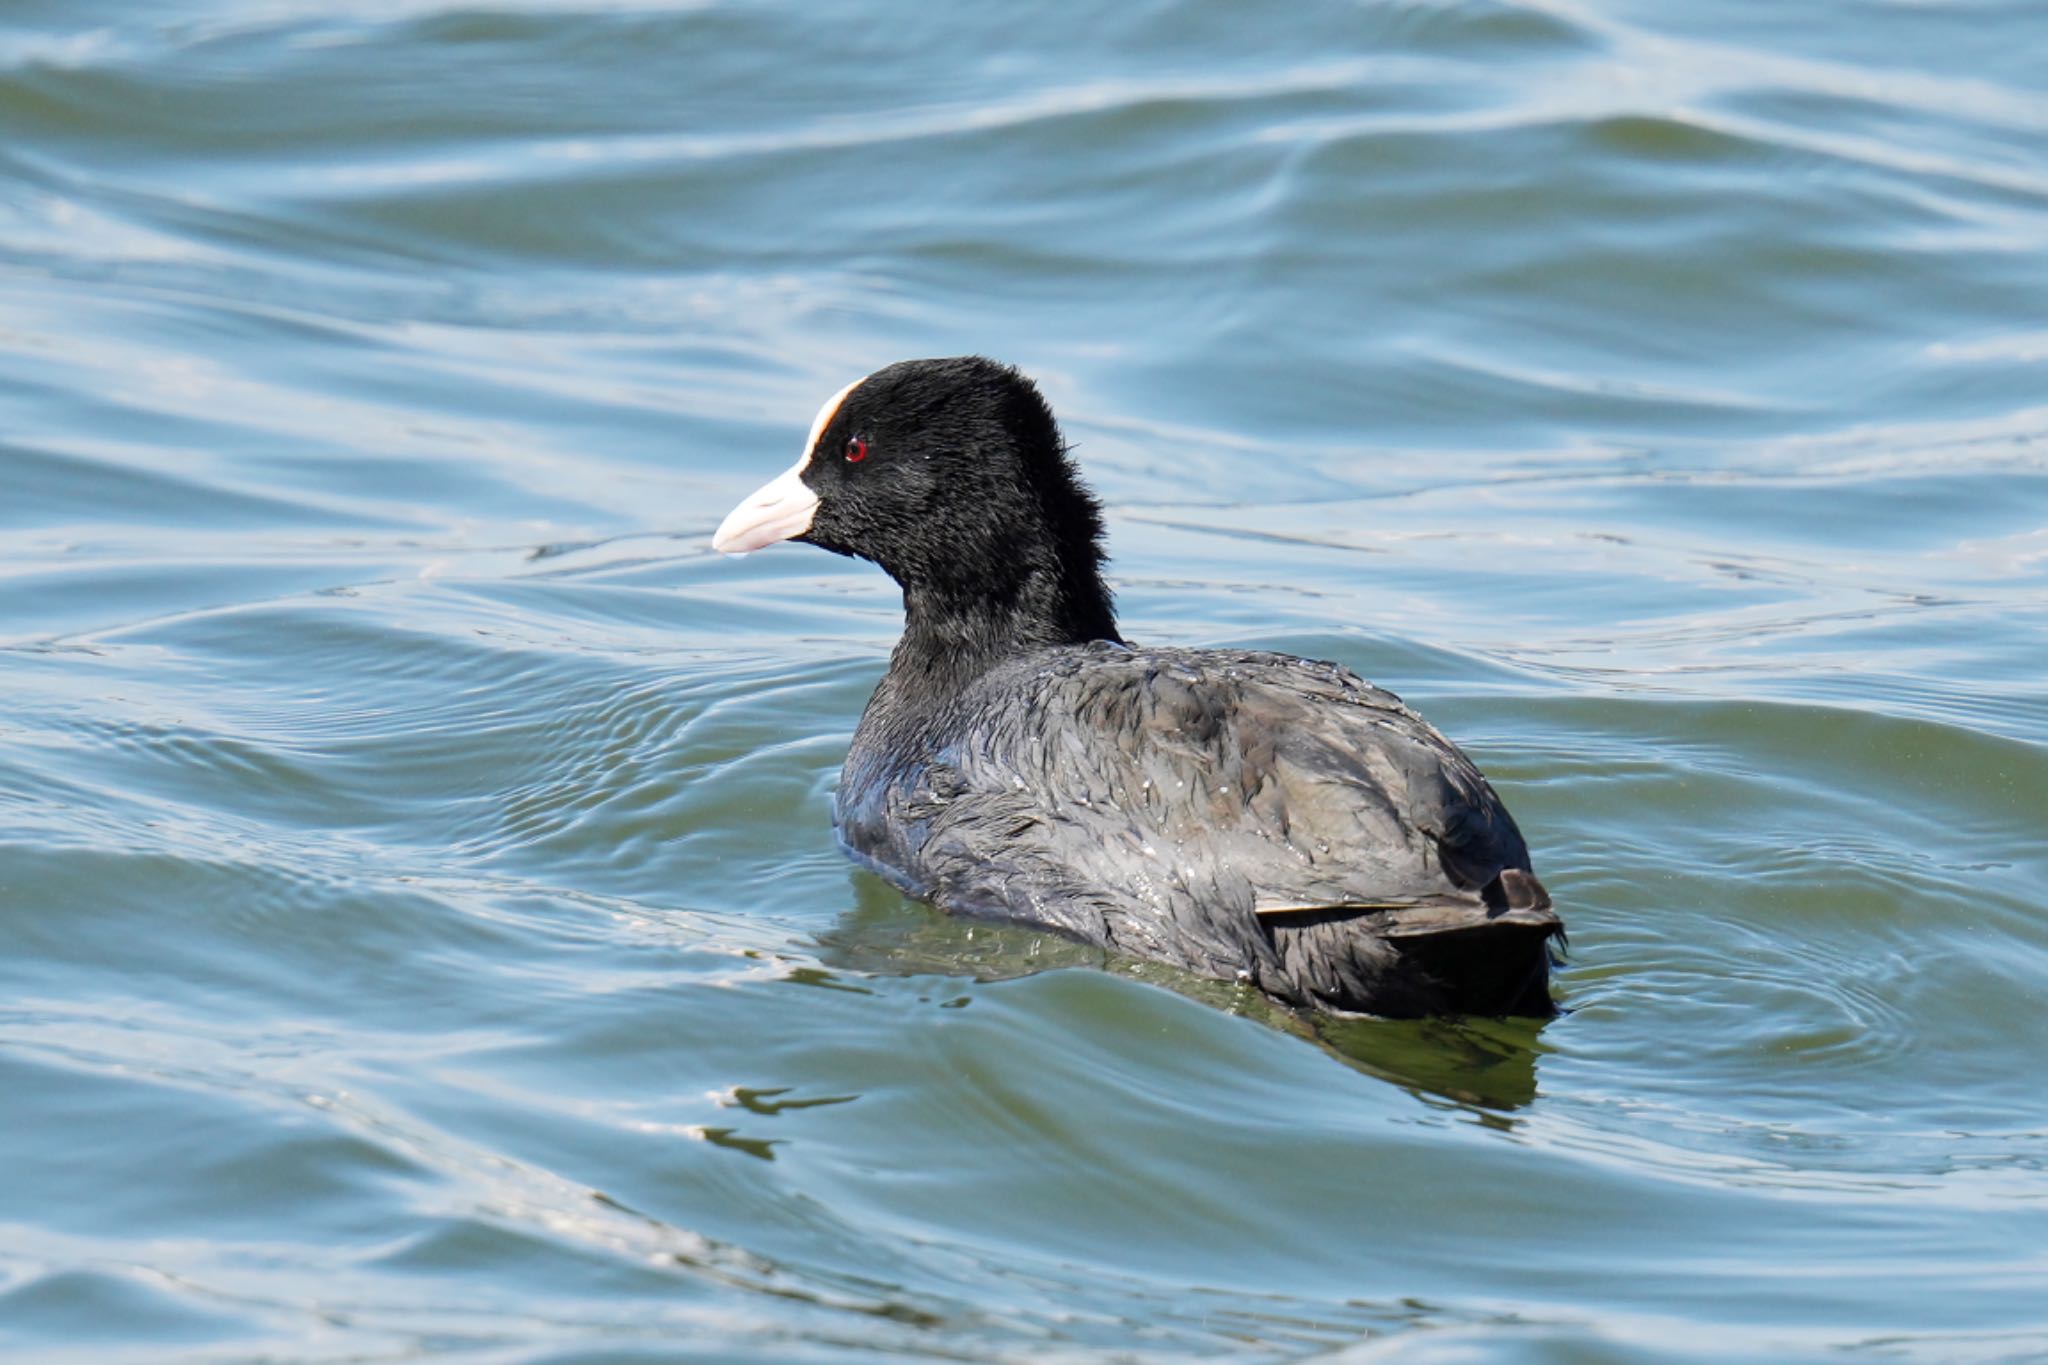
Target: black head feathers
column 952, row 476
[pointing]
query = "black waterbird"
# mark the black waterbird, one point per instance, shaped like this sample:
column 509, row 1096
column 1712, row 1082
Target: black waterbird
column 1248, row 816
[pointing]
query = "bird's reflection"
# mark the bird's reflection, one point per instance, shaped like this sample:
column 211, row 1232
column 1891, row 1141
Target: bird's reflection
column 1485, row 1065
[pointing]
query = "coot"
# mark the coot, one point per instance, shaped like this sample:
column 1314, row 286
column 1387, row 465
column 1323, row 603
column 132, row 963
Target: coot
column 1248, row 816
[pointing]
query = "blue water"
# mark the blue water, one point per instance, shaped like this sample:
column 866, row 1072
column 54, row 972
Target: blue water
column 421, row 933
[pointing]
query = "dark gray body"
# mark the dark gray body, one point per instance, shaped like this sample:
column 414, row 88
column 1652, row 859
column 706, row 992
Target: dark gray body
column 1244, row 815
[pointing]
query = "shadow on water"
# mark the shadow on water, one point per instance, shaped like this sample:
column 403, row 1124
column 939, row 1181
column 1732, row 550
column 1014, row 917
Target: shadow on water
column 1486, row 1064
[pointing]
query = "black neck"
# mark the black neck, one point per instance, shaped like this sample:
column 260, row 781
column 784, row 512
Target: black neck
column 946, row 634
column 955, row 630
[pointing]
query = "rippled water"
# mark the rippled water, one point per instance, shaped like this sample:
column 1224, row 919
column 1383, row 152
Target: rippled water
column 420, row 931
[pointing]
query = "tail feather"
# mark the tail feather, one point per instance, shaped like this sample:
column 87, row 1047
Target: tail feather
column 1487, row 954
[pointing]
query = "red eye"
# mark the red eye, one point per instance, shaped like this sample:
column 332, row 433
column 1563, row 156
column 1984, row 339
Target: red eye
column 856, row 449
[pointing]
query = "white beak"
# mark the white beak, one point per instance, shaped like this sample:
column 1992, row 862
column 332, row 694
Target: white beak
column 781, row 508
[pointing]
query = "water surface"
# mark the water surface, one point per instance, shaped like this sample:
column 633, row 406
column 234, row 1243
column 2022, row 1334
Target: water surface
column 420, row 931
